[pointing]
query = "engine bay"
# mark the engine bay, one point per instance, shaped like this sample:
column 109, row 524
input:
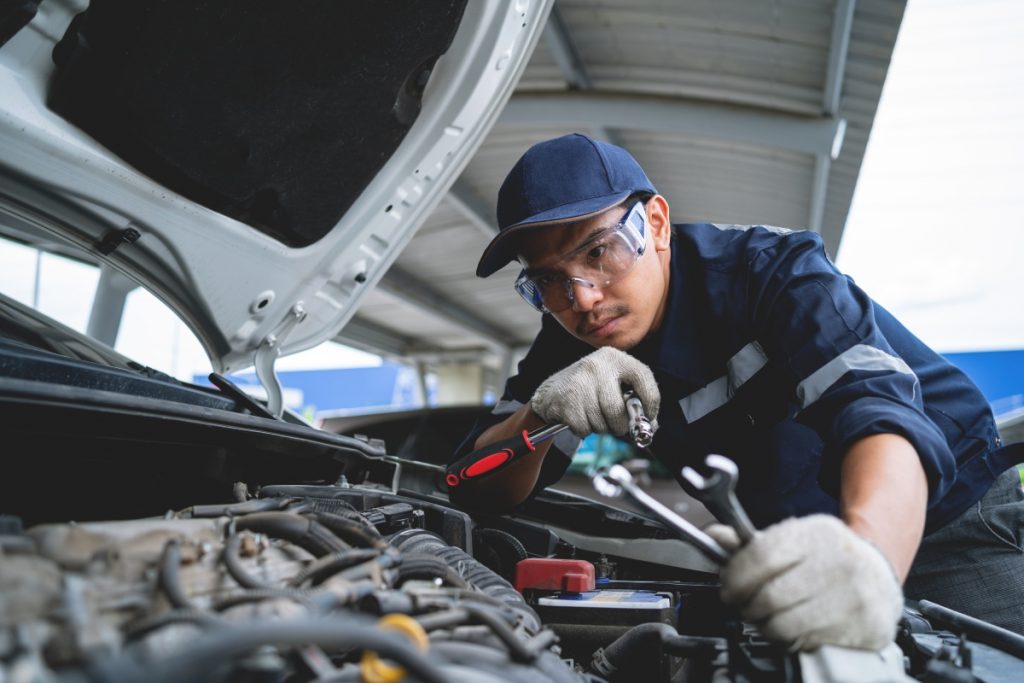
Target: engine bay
column 149, row 539
column 386, row 582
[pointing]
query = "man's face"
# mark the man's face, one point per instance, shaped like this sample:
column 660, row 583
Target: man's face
column 620, row 314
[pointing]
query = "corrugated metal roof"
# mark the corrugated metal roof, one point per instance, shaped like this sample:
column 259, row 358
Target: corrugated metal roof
column 692, row 82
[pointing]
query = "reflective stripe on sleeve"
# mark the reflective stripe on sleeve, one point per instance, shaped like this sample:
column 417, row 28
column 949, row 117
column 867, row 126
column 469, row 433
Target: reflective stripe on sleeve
column 859, row 357
column 747, row 362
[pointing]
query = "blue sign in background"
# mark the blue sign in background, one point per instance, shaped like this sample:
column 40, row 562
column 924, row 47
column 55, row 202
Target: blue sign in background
column 999, row 375
column 390, row 386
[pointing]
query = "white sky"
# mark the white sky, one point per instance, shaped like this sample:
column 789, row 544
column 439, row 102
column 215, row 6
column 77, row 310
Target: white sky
column 936, row 230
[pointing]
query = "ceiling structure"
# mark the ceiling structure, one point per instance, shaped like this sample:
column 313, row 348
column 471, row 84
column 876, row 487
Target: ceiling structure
column 740, row 111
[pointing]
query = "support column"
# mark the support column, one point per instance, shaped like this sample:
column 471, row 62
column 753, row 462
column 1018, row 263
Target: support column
column 459, row 383
column 108, row 305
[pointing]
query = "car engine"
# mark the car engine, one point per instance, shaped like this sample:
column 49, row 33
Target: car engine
column 376, row 583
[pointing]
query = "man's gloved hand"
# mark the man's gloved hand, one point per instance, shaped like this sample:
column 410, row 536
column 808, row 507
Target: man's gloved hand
column 812, row 581
column 587, row 395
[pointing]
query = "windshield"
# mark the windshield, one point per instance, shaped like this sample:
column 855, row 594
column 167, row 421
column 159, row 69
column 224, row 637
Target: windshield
column 104, row 305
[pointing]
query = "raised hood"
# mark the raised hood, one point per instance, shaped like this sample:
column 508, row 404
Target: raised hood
column 256, row 165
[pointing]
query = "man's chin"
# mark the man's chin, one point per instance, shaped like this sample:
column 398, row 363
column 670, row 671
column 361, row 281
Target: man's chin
column 620, row 341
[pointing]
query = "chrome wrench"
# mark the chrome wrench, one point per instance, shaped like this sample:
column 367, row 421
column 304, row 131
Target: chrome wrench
column 616, row 480
column 718, row 493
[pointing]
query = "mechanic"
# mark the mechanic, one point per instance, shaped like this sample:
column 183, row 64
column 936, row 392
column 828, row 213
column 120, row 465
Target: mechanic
column 853, row 439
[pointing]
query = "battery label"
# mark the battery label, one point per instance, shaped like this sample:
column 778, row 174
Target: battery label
column 609, row 599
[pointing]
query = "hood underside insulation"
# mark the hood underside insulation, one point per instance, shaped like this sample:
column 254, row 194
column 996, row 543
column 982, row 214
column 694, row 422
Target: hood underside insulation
column 275, row 114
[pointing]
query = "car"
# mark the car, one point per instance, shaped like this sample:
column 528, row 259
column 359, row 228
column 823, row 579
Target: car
column 257, row 167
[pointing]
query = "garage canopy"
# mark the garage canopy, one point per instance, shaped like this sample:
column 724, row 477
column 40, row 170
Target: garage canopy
column 740, row 111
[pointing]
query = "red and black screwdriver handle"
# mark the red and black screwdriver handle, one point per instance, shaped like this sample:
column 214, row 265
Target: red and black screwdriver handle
column 495, row 455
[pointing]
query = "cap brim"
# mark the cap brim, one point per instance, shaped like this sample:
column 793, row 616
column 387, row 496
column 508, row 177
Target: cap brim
column 502, row 249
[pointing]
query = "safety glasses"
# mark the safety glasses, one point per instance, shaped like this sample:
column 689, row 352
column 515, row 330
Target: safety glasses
column 600, row 261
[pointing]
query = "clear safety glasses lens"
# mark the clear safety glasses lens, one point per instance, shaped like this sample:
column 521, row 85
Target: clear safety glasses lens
column 598, row 262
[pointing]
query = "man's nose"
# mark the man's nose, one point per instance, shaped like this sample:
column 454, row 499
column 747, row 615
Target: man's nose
column 584, row 295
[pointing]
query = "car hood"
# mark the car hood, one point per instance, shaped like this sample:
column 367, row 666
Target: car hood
column 257, row 171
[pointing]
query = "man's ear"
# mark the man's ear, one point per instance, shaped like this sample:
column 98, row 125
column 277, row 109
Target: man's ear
column 658, row 222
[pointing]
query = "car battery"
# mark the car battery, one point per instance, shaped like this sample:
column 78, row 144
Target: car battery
column 606, row 608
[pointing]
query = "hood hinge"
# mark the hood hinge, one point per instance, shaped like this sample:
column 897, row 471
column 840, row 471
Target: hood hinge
column 266, row 355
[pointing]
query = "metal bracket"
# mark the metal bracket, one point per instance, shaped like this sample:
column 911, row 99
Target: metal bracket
column 266, row 355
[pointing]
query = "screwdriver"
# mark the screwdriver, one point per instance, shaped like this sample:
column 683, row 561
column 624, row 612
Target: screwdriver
column 495, row 455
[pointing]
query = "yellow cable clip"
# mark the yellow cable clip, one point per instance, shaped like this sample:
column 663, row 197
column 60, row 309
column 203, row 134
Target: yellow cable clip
column 374, row 669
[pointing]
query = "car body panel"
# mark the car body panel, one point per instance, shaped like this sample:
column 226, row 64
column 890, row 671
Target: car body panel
column 237, row 288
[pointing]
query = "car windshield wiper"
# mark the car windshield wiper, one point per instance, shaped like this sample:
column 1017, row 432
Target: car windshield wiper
column 243, row 399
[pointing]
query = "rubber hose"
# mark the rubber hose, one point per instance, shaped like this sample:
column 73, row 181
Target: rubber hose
column 327, row 566
column 517, row 648
column 147, row 625
column 321, row 600
column 421, row 566
column 507, row 540
column 306, row 533
column 976, row 629
column 233, row 562
column 485, row 580
column 646, row 642
column 362, row 534
column 170, row 581
column 205, row 657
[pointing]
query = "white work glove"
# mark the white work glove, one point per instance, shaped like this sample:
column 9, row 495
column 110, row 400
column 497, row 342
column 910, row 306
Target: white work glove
column 587, row 395
column 812, row 581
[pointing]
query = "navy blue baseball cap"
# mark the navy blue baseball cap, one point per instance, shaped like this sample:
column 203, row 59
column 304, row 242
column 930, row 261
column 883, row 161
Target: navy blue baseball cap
column 558, row 181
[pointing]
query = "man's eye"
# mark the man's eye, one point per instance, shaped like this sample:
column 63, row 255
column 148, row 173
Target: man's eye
column 596, row 252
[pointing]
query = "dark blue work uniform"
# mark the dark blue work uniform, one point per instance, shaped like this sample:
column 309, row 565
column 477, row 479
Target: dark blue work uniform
column 769, row 355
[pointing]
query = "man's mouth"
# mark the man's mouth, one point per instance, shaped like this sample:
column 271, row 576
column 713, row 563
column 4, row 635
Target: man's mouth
column 602, row 328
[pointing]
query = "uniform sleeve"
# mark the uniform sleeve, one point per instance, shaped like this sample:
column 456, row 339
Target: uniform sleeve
column 552, row 350
column 849, row 382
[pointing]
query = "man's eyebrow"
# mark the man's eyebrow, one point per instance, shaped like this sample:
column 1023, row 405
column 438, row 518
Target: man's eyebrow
column 596, row 232
column 590, row 237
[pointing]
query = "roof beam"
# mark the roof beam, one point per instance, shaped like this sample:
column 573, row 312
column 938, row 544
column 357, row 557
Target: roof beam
column 464, row 200
column 411, row 289
column 563, row 50
column 675, row 115
column 842, row 27
column 556, row 36
column 819, row 191
column 370, row 336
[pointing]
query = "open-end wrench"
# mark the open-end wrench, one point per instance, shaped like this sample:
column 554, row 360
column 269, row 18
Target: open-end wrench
column 718, row 493
column 616, row 480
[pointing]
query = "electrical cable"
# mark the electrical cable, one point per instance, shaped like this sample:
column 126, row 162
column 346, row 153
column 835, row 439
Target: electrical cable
column 327, row 566
column 516, row 647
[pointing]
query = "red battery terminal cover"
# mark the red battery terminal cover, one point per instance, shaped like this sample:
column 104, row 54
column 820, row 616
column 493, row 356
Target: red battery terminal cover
column 541, row 573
